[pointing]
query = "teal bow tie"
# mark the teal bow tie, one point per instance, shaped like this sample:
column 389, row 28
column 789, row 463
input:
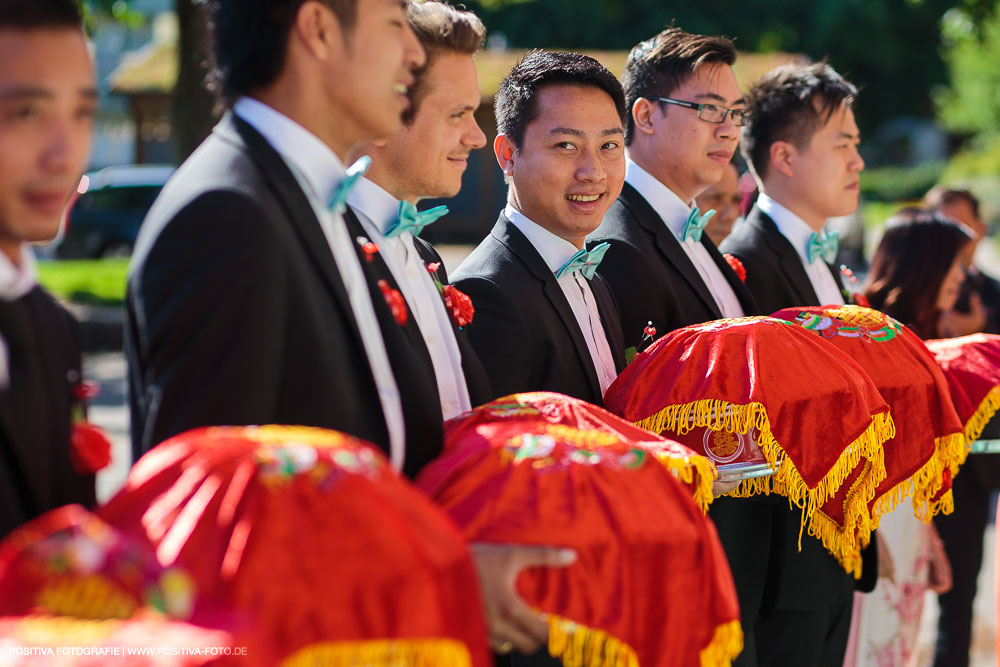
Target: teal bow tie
column 695, row 224
column 825, row 246
column 413, row 221
column 338, row 202
column 585, row 262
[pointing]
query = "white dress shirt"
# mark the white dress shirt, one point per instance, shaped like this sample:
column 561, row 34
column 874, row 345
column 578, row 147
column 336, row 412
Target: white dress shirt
column 15, row 282
column 377, row 210
column 674, row 213
column 798, row 233
column 319, row 171
column 556, row 251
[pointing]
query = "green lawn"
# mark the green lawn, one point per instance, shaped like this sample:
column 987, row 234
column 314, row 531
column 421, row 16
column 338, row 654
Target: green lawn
column 97, row 282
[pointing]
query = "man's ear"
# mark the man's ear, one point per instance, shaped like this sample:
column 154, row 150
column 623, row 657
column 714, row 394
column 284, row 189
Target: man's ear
column 505, row 150
column 318, row 30
column 783, row 157
column 642, row 115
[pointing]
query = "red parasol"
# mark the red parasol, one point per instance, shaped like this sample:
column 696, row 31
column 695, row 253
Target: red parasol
column 689, row 467
column 930, row 443
column 821, row 433
column 971, row 365
column 651, row 584
column 337, row 558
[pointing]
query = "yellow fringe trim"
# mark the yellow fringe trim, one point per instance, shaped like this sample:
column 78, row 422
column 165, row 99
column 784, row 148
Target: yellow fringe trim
column 950, row 452
column 579, row 646
column 720, row 415
column 696, row 471
column 382, row 653
column 726, row 644
column 983, row 414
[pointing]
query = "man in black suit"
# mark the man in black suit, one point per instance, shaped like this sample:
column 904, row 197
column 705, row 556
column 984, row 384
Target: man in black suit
column 426, row 158
column 247, row 300
column 801, row 142
column 47, row 105
column 685, row 112
column 542, row 321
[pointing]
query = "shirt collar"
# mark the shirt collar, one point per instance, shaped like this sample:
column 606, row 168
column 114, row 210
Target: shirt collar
column 374, row 203
column 555, row 251
column 671, row 208
column 315, row 162
column 16, row 281
column 792, row 227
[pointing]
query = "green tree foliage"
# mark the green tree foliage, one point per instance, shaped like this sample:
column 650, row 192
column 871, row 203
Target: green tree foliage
column 890, row 48
column 971, row 105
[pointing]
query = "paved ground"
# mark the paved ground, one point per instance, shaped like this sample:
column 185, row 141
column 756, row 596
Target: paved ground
column 108, row 410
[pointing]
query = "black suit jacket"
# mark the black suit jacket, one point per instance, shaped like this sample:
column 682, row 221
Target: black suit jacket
column 524, row 329
column 237, row 313
column 651, row 276
column 36, row 473
column 775, row 275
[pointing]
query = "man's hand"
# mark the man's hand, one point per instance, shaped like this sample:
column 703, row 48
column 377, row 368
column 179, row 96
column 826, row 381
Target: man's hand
column 511, row 623
column 955, row 323
column 721, row 488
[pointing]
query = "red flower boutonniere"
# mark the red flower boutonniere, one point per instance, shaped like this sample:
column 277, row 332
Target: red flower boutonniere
column 459, row 305
column 736, row 266
column 368, row 248
column 90, row 448
column 859, row 299
column 396, row 303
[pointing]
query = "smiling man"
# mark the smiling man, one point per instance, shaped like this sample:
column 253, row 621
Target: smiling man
column 685, row 112
column 543, row 321
column 426, row 158
column 247, row 302
column 47, row 104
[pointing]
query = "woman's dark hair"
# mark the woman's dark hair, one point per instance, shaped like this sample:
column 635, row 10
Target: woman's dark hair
column 40, row 14
column 910, row 264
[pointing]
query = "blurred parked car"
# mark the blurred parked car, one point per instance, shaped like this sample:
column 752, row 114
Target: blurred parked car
column 104, row 220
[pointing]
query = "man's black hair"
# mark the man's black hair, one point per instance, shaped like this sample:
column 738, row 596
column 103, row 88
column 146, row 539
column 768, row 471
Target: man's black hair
column 515, row 102
column 35, row 14
column 250, row 38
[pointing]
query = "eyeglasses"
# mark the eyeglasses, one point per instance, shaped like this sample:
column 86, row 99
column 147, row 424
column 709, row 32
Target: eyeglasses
column 712, row 113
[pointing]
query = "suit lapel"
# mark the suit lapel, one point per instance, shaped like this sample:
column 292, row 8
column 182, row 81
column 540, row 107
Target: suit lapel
column 511, row 237
column 746, row 300
column 299, row 211
column 668, row 244
column 610, row 319
column 789, row 260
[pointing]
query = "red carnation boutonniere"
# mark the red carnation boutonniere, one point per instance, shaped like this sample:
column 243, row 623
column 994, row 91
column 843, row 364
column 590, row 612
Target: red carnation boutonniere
column 90, row 448
column 859, row 299
column 737, row 266
column 459, row 305
column 856, row 298
column 396, row 303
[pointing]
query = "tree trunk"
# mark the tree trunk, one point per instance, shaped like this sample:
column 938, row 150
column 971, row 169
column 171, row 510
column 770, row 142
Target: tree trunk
column 191, row 110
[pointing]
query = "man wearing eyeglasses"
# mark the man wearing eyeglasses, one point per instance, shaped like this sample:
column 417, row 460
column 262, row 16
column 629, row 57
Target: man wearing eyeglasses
column 686, row 109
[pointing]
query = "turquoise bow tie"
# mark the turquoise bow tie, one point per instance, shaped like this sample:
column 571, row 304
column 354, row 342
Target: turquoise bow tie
column 338, row 202
column 695, row 224
column 825, row 246
column 413, row 221
column 585, row 262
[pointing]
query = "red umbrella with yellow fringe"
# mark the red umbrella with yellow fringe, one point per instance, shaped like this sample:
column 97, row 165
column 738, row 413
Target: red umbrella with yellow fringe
column 817, row 419
column 75, row 591
column 971, row 365
column 338, row 559
column 930, row 442
column 689, row 467
column 650, row 585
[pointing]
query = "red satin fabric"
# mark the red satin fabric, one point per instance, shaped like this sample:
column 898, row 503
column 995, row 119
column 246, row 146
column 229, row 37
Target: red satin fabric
column 907, row 377
column 817, row 399
column 308, row 531
column 650, row 569
column 971, row 364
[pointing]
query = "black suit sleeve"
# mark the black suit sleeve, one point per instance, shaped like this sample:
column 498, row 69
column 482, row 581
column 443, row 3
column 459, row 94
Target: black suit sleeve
column 213, row 338
column 640, row 295
column 500, row 337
